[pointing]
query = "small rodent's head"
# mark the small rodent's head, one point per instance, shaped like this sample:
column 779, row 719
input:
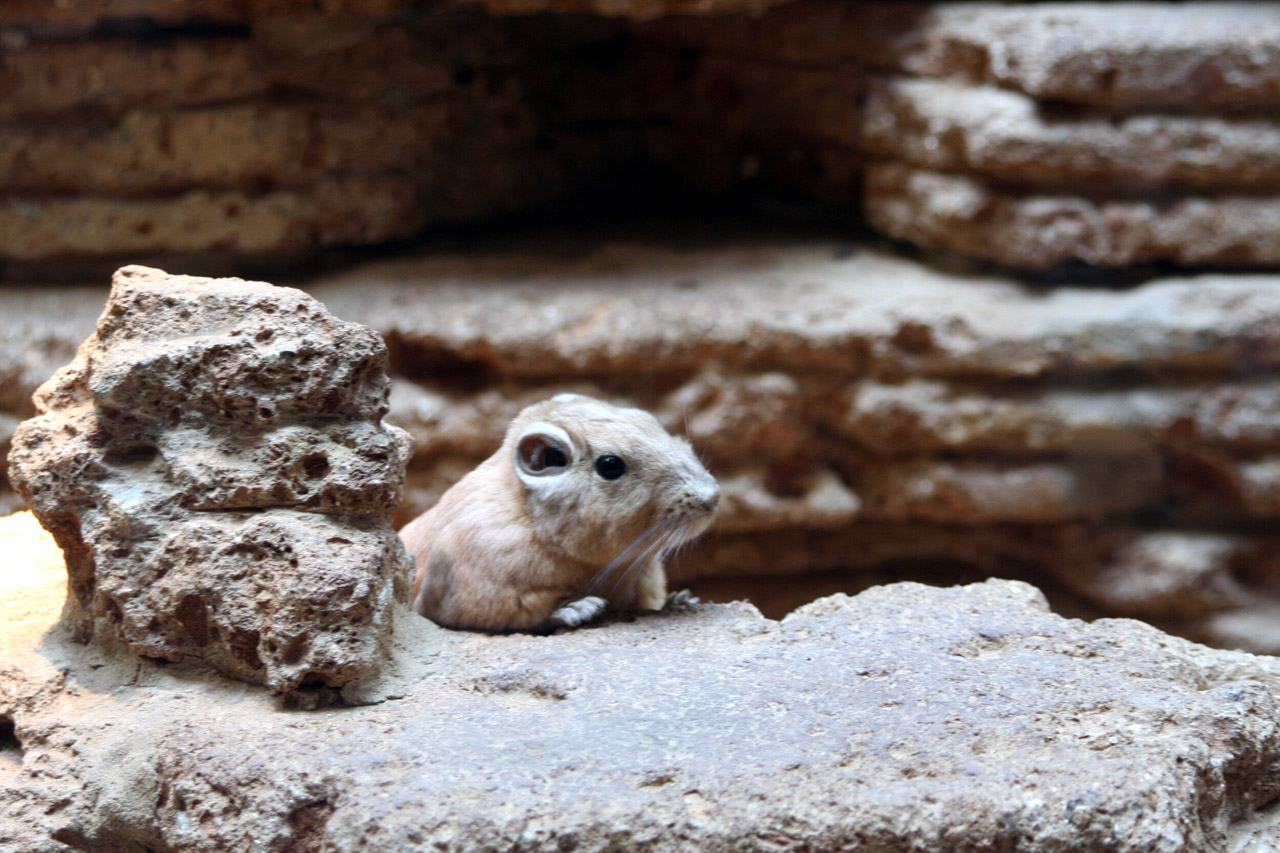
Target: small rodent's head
column 599, row 478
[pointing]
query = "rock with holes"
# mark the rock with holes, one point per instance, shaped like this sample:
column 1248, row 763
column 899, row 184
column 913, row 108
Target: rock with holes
column 215, row 467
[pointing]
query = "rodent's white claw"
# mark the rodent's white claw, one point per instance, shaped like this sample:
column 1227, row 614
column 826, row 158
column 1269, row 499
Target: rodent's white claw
column 681, row 599
column 578, row 613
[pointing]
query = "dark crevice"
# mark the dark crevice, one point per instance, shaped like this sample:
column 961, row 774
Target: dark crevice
column 10, row 746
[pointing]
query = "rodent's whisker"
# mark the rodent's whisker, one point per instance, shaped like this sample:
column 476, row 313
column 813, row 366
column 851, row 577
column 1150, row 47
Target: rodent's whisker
column 654, row 533
column 659, row 536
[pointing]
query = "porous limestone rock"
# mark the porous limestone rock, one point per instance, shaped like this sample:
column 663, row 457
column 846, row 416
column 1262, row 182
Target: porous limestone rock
column 908, row 718
column 214, row 465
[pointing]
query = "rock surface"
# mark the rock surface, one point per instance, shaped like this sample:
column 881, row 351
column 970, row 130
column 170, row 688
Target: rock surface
column 215, row 467
column 950, row 127
column 273, row 129
column 870, row 418
column 966, row 215
column 909, row 717
column 1112, row 55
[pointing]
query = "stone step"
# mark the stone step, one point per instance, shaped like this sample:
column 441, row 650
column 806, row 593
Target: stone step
column 1124, row 56
column 907, row 714
column 955, row 213
column 950, row 127
column 250, row 146
column 924, row 416
column 1114, row 56
column 334, row 211
column 756, row 302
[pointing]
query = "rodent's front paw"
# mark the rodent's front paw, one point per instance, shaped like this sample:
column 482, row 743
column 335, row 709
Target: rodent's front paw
column 681, row 600
column 578, row 613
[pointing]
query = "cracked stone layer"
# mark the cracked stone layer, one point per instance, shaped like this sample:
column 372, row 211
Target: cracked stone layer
column 947, row 127
column 214, row 465
column 1114, row 56
column 946, row 718
column 1111, row 55
column 225, row 147
column 332, row 212
column 87, row 13
column 362, row 61
column 957, row 213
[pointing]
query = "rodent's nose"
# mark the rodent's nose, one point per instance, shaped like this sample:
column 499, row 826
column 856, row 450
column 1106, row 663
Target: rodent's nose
column 709, row 498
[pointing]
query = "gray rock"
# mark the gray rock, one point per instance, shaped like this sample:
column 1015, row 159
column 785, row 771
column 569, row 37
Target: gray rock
column 1194, row 55
column 214, row 465
column 907, row 718
column 950, row 127
column 956, row 213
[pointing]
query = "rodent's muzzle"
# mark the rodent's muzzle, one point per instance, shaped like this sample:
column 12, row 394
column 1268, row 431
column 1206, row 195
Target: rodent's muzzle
column 708, row 499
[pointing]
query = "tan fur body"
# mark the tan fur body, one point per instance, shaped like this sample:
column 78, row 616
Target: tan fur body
column 505, row 548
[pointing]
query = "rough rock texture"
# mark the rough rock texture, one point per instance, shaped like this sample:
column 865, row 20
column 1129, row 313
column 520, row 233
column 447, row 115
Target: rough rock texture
column 214, row 465
column 870, row 418
column 1112, row 55
column 1128, row 137
column 297, row 134
column 966, row 215
column 951, row 127
column 909, row 718
column 84, row 14
column 275, row 128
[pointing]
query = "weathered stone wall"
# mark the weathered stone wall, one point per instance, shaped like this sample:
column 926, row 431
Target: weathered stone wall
column 1030, row 135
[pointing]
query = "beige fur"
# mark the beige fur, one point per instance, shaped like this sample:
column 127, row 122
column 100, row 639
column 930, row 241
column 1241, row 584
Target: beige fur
column 513, row 549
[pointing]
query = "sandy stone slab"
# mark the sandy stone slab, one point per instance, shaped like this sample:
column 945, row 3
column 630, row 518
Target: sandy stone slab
column 1119, row 55
column 113, row 75
column 288, row 220
column 241, row 147
column 945, row 718
column 976, row 492
column 535, row 312
column 922, row 416
column 84, row 14
column 1115, row 55
column 964, row 215
column 951, row 127
column 360, row 61
column 539, row 314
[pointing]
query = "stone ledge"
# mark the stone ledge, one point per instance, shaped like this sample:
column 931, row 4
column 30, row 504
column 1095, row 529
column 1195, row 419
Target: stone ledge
column 908, row 717
column 957, row 213
column 948, row 127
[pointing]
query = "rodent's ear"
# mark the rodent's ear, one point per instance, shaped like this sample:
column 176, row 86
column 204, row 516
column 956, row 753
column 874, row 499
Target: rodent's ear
column 543, row 450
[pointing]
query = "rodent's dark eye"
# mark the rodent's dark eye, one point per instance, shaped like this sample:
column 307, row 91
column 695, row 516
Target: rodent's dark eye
column 610, row 467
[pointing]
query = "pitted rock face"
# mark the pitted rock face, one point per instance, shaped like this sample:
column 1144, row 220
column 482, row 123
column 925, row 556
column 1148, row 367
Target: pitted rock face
column 215, row 467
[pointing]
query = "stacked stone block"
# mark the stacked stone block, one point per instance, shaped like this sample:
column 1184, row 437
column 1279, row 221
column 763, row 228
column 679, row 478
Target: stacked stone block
column 1106, row 134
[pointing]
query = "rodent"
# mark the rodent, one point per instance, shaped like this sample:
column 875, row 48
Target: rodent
column 572, row 516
